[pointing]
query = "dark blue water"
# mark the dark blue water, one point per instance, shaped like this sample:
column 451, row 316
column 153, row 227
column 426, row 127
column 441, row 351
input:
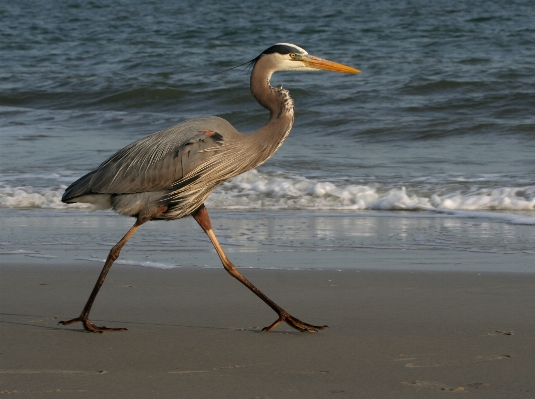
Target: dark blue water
column 441, row 118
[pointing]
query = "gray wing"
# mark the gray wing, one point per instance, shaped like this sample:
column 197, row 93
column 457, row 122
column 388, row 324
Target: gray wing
column 155, row 162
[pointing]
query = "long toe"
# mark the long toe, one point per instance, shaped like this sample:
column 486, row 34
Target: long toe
column 301, row 325
column 67, row 322
column 271, row 327
column 295, row 323
column 89, row 326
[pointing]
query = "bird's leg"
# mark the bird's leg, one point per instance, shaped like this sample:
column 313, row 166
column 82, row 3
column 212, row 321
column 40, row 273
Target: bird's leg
column 201, row 216
column 113, row 255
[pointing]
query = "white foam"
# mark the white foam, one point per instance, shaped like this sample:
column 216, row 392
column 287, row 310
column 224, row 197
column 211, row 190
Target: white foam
column 30, row 197
column 276, row 191
column 155, row 265
column 18, row 252
column 44, row 256
column 507, row 198
column 505, row 217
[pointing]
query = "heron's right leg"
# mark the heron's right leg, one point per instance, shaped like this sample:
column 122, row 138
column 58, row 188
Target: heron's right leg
column 201, row 216
column 112, row 256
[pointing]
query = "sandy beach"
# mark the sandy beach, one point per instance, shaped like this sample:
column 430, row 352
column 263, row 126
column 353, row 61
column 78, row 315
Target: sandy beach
column 417, row 307
column 196, row 334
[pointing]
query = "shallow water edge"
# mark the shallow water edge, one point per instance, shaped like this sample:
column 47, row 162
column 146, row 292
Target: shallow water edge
column 287, row 240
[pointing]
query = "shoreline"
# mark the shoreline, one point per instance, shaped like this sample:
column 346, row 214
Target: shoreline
column 287, row 241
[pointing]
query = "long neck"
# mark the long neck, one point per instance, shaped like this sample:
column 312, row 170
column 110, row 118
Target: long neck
column 280, row 105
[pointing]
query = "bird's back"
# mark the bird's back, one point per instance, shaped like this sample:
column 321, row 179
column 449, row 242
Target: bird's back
column 156, row 162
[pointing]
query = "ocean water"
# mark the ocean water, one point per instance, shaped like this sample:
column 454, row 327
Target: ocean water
column 440, row 122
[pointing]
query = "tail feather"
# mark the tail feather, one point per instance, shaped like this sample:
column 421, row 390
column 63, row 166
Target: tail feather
column 79, row 188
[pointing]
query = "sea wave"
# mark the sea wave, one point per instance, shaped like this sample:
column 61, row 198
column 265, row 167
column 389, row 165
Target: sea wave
column 277, row 191
column 30, row 197
column 281, row 191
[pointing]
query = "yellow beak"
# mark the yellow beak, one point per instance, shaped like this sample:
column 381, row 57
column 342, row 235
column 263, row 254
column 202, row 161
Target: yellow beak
column 319, row 63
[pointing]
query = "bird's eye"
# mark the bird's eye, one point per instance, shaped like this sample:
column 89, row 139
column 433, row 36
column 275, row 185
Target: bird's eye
column 292, row 55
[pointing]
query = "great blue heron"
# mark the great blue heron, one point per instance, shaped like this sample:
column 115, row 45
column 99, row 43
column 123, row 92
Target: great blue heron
column 169, row 174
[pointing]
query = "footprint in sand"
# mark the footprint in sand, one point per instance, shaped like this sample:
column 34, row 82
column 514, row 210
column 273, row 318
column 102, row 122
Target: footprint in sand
column 500, row 332
column 443, row 387
column 426, row 361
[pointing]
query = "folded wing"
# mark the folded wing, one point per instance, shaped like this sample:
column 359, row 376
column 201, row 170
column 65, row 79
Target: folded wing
column 158, row 161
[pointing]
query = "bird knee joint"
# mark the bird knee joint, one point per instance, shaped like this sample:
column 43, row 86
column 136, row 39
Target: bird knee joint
column 114, row 254
column 229, row 267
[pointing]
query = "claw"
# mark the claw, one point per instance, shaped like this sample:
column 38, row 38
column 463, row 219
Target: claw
column 89, row 326
column 295, row 323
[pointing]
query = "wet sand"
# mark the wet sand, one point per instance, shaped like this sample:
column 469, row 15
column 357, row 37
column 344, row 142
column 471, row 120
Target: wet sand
column 286, row 240
column 196, row 334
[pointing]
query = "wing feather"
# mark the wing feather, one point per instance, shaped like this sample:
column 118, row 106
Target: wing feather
column 156, row 162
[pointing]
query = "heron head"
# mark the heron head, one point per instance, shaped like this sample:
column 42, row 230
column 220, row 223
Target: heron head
column 289, row 57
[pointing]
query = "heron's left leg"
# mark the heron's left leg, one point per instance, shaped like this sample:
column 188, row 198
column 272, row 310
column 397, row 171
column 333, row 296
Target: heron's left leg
column 112, row 256
column 201, row 216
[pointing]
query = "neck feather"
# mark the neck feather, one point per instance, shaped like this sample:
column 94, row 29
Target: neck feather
column 280, row 105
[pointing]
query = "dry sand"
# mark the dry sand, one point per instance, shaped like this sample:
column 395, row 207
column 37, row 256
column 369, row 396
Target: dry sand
column 196, row 334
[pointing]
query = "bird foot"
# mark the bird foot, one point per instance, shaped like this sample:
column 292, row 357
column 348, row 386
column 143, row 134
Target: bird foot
column 295, row 323
column 89, row 326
